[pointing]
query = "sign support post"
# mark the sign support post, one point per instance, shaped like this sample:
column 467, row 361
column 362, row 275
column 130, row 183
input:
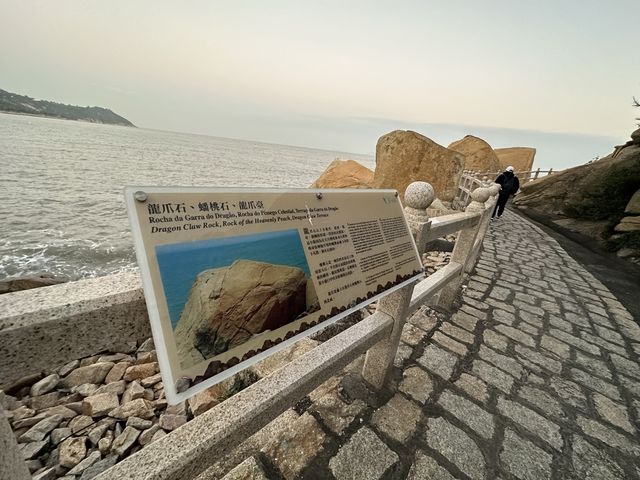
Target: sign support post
column 379, row 359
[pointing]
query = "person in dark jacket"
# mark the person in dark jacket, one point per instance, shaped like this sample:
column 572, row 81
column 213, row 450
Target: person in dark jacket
column 510, row 185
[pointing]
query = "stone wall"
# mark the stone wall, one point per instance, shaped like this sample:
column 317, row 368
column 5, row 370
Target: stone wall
column 56, row 324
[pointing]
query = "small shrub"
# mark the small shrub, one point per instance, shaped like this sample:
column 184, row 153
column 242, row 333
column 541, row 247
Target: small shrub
column 624, row 240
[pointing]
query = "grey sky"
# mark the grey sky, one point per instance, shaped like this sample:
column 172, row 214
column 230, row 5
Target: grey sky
column 337, row 75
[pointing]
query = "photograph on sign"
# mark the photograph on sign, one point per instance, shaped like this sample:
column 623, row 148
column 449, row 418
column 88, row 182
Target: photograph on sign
column 231, row 276
column 259, row 282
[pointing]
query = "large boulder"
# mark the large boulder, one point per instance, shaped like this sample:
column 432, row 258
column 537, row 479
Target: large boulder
column 479, row 156
column 231, row 305
column 197, row 312
column 344, row 174
column 521, row 158
column 403, row 157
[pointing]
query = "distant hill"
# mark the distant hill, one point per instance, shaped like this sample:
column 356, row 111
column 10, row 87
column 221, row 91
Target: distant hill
column 14, row 103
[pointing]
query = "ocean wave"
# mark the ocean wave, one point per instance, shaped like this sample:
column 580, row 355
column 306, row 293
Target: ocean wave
column 71, row 259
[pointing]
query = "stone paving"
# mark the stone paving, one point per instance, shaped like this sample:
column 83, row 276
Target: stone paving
column 535, row 376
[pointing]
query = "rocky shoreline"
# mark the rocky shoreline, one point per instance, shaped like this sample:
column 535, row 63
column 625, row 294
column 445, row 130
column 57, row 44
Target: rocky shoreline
column 85, row 416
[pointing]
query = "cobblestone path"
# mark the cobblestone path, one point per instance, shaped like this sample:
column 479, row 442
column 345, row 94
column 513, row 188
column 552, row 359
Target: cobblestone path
column 535, row 376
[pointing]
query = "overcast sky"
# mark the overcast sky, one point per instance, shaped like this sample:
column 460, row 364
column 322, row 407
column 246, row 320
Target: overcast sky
column 337, row 75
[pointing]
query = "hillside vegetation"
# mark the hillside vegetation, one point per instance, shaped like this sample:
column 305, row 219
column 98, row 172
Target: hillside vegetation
column 14, row 103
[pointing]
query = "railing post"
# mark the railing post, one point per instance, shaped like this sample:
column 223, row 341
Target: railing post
column 484, row 197
column 483, row 227
column 468, row 186
column 379, row 359
column 494, row 190
column 535, row 177
column 550, row 171
column 12, row 465
column 457, row 199
column 463, row 249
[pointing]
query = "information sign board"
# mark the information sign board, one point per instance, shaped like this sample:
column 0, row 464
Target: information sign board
column 231, row 276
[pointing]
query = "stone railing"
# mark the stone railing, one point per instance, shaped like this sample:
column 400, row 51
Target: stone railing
column 470, row 180
column 46, row 327
column 524, row 175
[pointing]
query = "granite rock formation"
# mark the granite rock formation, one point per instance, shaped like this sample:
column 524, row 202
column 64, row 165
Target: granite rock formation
column 633, row 207
column 580, row 191
column 628, row 224
column 631, row 221
column 403, row 157
column 227, row 306
column 479, row 156
column 593, row 198
column 344, row 174
column 521, row 158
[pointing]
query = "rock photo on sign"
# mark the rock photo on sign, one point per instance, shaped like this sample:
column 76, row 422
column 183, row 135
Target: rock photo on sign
column 223, row 293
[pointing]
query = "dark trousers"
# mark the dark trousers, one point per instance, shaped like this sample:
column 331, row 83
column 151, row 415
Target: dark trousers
column 502, row 201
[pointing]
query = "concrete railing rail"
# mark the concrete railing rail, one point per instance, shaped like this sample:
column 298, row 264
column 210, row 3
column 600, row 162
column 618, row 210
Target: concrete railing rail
column 110, row 311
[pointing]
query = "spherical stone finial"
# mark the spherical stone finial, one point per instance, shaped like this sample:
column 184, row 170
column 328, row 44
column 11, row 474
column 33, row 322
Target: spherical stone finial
column 494, row 189
column 419, row 195
column 480, row 195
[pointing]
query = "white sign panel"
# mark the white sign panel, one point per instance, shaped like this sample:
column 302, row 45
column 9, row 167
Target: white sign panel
column 233, row 275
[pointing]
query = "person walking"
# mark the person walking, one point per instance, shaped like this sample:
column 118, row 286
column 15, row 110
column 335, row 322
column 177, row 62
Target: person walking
column 510, row 185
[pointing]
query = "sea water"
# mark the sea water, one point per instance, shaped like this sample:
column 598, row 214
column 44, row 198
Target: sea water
column 62, row 204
